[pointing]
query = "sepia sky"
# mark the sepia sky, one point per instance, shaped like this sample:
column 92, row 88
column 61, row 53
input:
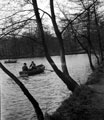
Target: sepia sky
column 9, row 7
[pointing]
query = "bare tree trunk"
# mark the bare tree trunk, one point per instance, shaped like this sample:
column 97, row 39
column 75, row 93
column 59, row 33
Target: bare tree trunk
column 58, row 33
column 98, row 32
column 90, row 60
column 26, row 92
column 84, row 48
column 89, row 39
column 70, row 83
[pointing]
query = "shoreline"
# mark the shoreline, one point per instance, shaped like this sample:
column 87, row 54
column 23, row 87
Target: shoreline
column 73, row 53
column 87, row 102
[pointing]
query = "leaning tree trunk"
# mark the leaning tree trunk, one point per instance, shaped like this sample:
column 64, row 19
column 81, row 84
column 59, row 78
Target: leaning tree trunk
column 84, row 48
column 90, row 60
column 98, row 33
column 26, row 92
column 89, row 39
column 58, row 34
column 70, row 83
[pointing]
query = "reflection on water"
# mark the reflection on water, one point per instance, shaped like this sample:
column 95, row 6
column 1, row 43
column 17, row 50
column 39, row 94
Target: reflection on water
column 46, row 88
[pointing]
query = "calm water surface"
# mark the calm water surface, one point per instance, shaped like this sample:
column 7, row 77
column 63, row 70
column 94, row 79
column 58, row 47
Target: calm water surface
column 46, row 88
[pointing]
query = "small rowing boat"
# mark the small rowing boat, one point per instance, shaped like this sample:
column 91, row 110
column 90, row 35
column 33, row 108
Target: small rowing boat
column 39, row 69
column 10, row 61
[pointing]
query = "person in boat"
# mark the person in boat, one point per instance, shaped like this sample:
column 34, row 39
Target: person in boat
column 25, row 68
column 32, row 65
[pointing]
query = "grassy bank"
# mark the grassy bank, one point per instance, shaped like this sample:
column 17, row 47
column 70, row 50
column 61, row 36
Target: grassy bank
column 96, row 76
column 83, row 104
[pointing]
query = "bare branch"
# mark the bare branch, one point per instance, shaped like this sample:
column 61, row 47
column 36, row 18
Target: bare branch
column 78, row 16
column 15, row 14
column 26, row 92
column 62, row 11
column 45, row 12
column 8, row 32
column 16, row 23
column 25, row 22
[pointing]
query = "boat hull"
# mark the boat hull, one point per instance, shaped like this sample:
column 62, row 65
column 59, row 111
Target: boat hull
column 10, row 61
column 38, row 70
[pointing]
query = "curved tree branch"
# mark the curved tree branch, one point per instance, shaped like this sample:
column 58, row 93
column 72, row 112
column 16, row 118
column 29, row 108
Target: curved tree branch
column 45, row 13
column 26, row 92
column 16, row 13
column 77, row 16
column 70, row 83
column 62, row 50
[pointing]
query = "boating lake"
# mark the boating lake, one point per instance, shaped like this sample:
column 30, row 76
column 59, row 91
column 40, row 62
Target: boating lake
column 46, row 88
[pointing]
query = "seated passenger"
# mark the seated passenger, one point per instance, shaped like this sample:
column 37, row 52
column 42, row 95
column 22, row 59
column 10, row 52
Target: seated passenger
column 32, row 65
column 25, row 68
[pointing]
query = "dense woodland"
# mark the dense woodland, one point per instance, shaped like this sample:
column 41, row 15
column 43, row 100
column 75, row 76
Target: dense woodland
column 26, row 47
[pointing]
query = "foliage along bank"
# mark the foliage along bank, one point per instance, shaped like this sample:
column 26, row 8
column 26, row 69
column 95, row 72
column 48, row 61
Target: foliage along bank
column 26, row 47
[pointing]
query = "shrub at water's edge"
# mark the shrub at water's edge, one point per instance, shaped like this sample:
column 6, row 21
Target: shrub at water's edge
column 94, row 77
column 81, row 105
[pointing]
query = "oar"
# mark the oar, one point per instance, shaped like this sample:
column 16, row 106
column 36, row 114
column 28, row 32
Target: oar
column 49, row 70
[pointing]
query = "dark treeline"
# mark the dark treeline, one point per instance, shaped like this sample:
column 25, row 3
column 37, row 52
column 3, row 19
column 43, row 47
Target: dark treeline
column 30, row 46
column 19, row 47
